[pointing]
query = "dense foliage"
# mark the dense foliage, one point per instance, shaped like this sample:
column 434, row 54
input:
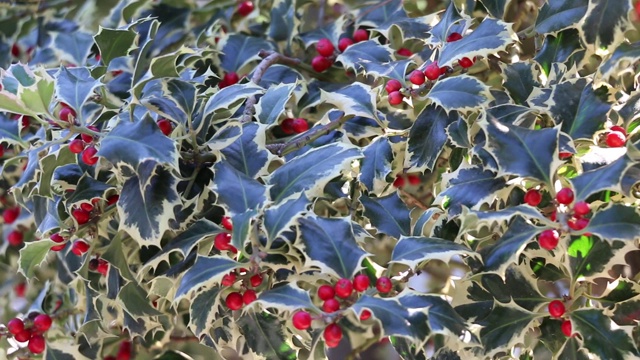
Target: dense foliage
column 289, row 179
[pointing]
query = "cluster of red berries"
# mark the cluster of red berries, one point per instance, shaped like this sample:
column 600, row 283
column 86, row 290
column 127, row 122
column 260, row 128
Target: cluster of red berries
column 334, row 297
column 32, row 332
column 616, row 137
column 325, row 49
column 557, row 310
column 222, row 241
column 124, row 352
column 165, row 126
column 236, row 300
column 402, row 179
column 99, row 265
column 245, row 8
column 228, row 79
column 10, row 215
column 294, row 126
column 85, row 146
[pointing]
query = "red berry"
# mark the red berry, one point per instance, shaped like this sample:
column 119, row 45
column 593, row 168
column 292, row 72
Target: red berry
column 344, row 288
column 301, row 320
column 331, row 305
column 86, row 207
column 637, row 8
column 112, row 199
column 15, row 50
column 405, row 52
column 42, row 322
column 344, row 43
column 616, row 139
column 89, row 155
column 245, row 8
column 15, row 238
column 20, row 289
column 81, row 216
column 399, row 181
column 231, row 78
column 365, row 315
column 320, row 63
column 395, row 98
column 618, row 129
column 300, row 125
column 465, row 62
column 444, row 70
column 93, row 264
column 384, row 285
column 249, row 296
column 36, row 344
column 324, row 47
column 548, row 239
column 556, row 308
column 287, row 126
column 566, row 328
column 10, row 215
column 564, row 155
column 222, row 241
column 414, row 179
column 124, row 352
column 165, row 126
column 234, row 301
column 76, row 146
column 23, row 336
column 256, row 280
column 360, row 35
column 565, row 196
column 58, row 247
column 581, row 208
column 15, row 326
column 66, row 114
column 326, row 292
column 533, row 197
column 432, row 71
column 454, row 36
column 79, row 247
column 361, row 282
column 577, row 224
column 229, row 279
column 103, row 267
column 332, row 333
column 393, row 85
column 226, row 223
column 416, row 77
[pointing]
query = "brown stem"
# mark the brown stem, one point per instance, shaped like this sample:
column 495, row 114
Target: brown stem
column 412, row 200
column 309, row 136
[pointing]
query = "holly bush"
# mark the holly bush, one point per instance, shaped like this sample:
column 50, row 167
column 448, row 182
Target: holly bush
column 286, row 179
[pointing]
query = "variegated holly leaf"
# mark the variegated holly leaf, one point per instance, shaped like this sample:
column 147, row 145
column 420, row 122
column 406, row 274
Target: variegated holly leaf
column 272, row 104
column 409, row 27
column 32, row 255
column 74, row 87
column 414, row 250
column 147, row 201
column 607, row 177
column 287, row 297
column 435, row 311
column 425, row 221
column 73, row 47
column 332, row 31
column 330, row 245
column 559, row 15
column 427, row 137
column 591, row 257
column 113, row 43
column 229, row 99
column 236, row 191
column 523, row 152
column 449, row 18
column 619, row 61
column 134, row 143
column 604, row 341
column 616, row 222
column 279, row 218
column 263, row 334
column 356, row 99
column 88, row 188
column 203, row 311
column 239, row 50
column 26, row 91
column 171, row 98
column 461, row 92
column 204, row 273
column 63, row 350
column 225, row 136
column 472, row 219
column 114, row 254
column 393, row 317
column 247, row 153
column 296, row 176
column 389, row 214
column 469, row 186
column 626, row 312
column 496, row 8
column 376, row 165
column 283, row 24
column 505, row 326
column 507, row 249
column 279, row 74
column 134, row 300
column 558, row 48
column 607, row 31
column 520, row 80
column 366, row 56
column 490, row 37
column 241, row 227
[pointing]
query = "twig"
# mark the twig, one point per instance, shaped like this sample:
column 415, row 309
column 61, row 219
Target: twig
column 268, row 58
column 311, row 135
column 412, row 200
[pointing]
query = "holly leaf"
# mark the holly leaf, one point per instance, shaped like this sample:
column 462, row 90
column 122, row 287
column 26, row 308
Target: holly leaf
column 32, row 255
column 74, row 87
column 376, row 164
column 414, row 250
column 73, row 47
column 202, row 312
column 469, row 186
column 606, row 31
column 496, row 8
column 449, row 18
column 134, row 300
column 427, row 137
column 438, row 313
column 237, row 191
column 229, row 99
column 627, row 312
column 558, row 49
column 520, row 80
column 263, row 334
column 490, row 37
column 297, row 176
column 87, row 189
column 617, row 62
column 505, row 326
column 288, row 297
column 63, row 350
column 205, row 272
column 171, row 98
column 248, row 154
column 590, row 257
column 239, row 50
column 279, row 218
column 559, row 15
column 146, row 203
column 241, row 226
column 389, row 214
column 356, row 99
column 617, row 222
column 272, row 104
column 330, row 245
column 461, row 92
column 523, row 152
column 283, row 23
column 607, row 177
column 600, row 339
column 472, row 219
column 113, row 43
column 367, row 56
column 134, row 143
column 393, row 317
column 508, row 248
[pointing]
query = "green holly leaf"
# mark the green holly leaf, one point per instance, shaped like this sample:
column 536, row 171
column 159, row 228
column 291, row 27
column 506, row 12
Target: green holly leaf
column 504, row 327
column 600, row 339
column 236, row 191
column 558, row 48
column 171, row 98
column 389, row 214
column 591, row 257
column 202, row 312
column 263, row 334
column 74, row 87
column 287, row 297
column 330, row 245
column 427, row 137
column 376, row 165
column 559, row 15
column 521, row 79
column 616, row 222
column 508, row 248
column 135, row 301
column 626, row 312
column 606, row 31
column 32, row 255
column 297, row 176
column 63, row 350
column 247, row 153
column 606, row 177
column 356, row 99
column 461, row 92
column 204, row 273
column 272, row 104
column 114, row 43
column 469, row 186
column 490, row 37
column 238, row 50
column 116, row 258
column 414, row 250
column 393, row 317
column 279, row 218
column 573, row 350
column 133, row 143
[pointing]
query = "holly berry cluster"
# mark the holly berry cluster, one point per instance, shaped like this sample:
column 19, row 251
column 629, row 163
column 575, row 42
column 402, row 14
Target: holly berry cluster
column 30, row 331
column 291, row 126
column 16, row 236
column 245, row 8
column 326, row 50
column 557, row 310
column 401, row 180
column 616, row 136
